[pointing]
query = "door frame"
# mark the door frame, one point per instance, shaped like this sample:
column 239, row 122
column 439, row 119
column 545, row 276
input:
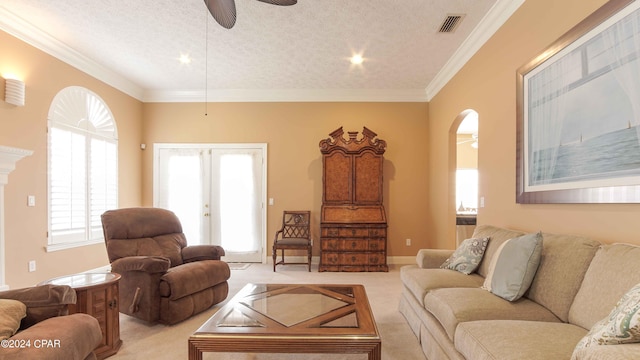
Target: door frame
column 208, row 146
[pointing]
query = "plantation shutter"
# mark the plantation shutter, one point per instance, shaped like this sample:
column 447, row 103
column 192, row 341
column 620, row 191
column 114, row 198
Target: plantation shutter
column 83, row 180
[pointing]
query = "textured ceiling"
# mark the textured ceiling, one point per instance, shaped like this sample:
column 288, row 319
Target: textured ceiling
column 294, row 53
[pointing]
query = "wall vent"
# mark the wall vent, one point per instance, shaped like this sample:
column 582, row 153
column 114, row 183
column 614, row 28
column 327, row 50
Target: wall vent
column 450, row 24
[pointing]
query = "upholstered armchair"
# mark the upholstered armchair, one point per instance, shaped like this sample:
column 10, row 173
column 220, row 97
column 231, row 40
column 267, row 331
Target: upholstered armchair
column 163, row 279
column 44, row 330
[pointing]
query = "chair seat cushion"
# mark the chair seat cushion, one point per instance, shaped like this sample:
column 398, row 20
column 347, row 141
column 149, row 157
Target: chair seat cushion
column 293, row 241
column 193, row 277
column 63, row 337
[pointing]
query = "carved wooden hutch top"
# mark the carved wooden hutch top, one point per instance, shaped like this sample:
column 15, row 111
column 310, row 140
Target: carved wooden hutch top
column 353, row 145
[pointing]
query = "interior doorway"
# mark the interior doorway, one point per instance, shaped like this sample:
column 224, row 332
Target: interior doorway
column 466, row 204
column 218, row 193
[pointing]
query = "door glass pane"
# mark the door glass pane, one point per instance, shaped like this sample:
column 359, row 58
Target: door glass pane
column 237, row 203
column 180, row 185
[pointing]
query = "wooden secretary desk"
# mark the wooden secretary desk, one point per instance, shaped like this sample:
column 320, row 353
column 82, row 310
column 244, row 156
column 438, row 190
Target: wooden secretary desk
column 353, row 224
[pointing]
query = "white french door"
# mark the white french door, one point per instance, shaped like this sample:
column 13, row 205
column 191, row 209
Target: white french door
column 218, row 193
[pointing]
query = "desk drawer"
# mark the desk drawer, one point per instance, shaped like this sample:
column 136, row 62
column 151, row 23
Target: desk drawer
column 342, row 232
column 345, row 244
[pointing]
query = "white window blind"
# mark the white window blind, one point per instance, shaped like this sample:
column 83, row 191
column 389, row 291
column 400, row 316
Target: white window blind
column 83, row 166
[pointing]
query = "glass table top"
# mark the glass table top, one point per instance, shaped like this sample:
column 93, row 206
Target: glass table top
column 286, row 310
column 292, row 305
column 77, row 281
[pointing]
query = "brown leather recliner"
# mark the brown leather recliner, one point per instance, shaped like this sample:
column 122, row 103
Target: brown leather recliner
column 163, row 279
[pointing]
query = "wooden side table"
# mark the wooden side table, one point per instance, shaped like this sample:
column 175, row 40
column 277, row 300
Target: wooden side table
column 97, row 295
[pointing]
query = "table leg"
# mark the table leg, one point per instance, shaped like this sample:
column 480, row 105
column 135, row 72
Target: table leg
column 376, row 352
column 194, row 352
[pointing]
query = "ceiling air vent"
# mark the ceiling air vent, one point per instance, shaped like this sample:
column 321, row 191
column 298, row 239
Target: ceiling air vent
column 450, row 24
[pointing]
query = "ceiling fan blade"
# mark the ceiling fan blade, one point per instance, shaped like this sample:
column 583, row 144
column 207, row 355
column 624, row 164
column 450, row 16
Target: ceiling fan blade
column 224, row 11
column 280, row 2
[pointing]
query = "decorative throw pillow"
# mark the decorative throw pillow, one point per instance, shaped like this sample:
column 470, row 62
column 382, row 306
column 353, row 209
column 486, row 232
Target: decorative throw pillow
column 492, row 265
column 513, row 266
column 11, row 313
column 467, row 256
column 622, row 326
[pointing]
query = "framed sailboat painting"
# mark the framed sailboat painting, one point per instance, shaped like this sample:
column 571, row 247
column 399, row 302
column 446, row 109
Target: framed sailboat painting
column 578, row 113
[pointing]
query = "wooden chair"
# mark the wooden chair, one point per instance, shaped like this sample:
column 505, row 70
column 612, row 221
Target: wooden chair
column 295, row 234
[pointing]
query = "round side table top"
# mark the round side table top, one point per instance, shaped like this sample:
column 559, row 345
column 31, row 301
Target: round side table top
column 84, row 280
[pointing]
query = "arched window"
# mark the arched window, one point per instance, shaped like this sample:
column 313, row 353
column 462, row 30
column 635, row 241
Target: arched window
column 83, row 164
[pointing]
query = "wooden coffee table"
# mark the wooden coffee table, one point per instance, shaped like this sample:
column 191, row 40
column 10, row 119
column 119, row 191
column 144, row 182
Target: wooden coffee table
column 288, row 318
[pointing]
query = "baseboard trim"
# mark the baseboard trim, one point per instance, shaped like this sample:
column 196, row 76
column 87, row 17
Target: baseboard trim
column 391, row 260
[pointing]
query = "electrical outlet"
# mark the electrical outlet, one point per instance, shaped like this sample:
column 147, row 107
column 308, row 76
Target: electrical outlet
column 31, row 200
column 408, row 242
column 271, row 201
column 32, row 266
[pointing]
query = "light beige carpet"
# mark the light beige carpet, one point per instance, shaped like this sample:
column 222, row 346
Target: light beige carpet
column 143, row 341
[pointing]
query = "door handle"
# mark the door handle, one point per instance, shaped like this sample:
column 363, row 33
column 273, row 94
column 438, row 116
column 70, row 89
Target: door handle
column 206, row 214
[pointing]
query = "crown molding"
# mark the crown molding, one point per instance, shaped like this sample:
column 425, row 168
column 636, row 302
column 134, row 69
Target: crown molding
column 499, row 13
column 288, row 95
column 21, row 29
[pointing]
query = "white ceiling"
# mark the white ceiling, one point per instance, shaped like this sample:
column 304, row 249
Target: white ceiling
column 274, row 53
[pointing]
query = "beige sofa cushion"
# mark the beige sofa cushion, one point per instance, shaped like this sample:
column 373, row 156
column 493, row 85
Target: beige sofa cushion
column 613, row 271
column 457, row 305
column 568, row 255
column 516, row 340
column 498, row 236
column 420, row 281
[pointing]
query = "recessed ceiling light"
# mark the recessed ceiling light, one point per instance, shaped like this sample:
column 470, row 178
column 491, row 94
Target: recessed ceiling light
column 357, row 59
column 185, row 59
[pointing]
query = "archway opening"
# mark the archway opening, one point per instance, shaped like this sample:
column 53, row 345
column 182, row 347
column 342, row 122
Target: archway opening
column 466, row 175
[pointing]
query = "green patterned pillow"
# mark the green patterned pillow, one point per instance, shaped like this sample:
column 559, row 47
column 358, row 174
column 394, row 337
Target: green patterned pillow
column 622, row 326
column 467, row 256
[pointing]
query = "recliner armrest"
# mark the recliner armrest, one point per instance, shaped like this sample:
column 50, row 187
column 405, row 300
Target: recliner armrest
column 148, row 264
column 43, row 301
column 42, row 295
column 201, row 252
column 432, row 258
